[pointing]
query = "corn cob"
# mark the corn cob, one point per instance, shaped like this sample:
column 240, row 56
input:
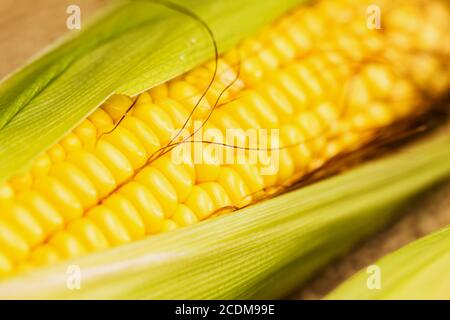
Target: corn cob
column 418, row 270
column 326, row 91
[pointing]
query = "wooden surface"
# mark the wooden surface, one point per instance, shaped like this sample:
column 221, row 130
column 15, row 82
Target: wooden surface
column 27, row 26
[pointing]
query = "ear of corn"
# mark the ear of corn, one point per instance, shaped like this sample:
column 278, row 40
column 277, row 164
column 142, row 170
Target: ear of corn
column 241, row 255
column 108, row 182
column 129, row 49
column 417, row 271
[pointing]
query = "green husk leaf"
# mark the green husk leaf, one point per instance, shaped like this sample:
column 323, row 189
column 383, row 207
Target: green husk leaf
column 419, row 270
column 136, row 45
column 259, row 252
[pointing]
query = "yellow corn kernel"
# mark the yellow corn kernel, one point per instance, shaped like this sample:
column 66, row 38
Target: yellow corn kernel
column 127, row 143
column 41, row 165
column 217, row 194
column 169, row 225
column 12, row 244
column 146, row 204
column 109, row 224
column 6, row 193
column 179, row 115
column 113, row 159
column 184, row 216
column 157, row 119
column 6, row 265
column 44, row 255
column 60, row 196
column 116, row 106
column 159, row 92
column 95, row 170
column 57, row 153
column 71, row 143
column 75, row 180
column 189, row 96
column 127, row 213
column 89, row 234
column 143, row 133
column 87, row 133
column 160, row 187
column 144, row 97
column 21, row 182
column 251, row 175
column 233, row 184
column 102, row 121
column 200, row 203
column 207, row 168
column 67, row 245
column 178, row 176
column 45, row 213
column 27, row 225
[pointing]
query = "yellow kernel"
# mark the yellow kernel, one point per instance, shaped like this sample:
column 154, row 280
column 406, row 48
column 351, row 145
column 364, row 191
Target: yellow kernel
column 200, row 203
column 75, row 180
column 87, row 133
column 178, row 176
column 41, row 165
column 12, row 243
column 6, row 193
column 6, row 265
column 71, row 143
column 234, row 185
column 144, row 97
column 57, row 153
column 60, row 197
column 184, row 216
column 146, row 204
column 21, row 182
column 157, row 119
column 89, row 234
column 189, row 96
column 117, row 105
column 116, row 162
column 250, row 174
column 67, row 245
column 278, row 100
column 27, row 225
column 263, row 111
column 110, row 225
column 127, row 214
column 160, row 92
column 102, row 121
column 207, row 168
column 127, row 143
column 291, row 89
column 169, row 225
column 180, row 116
column 95, row 170
column 217, row 194
column 44, row 212
column 143, row 133
column 44, row 255
column 160, row 187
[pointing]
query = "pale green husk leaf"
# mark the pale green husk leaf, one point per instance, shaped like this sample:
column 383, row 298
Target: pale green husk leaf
column 420, row 270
